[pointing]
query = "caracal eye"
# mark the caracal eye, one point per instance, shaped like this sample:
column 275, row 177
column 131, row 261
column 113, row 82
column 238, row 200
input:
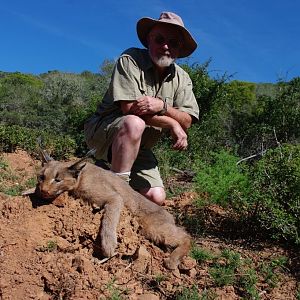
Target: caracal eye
column 41, row 177
column 57, row 180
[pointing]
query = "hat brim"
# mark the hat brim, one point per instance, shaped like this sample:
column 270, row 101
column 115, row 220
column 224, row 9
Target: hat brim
column 144, row 26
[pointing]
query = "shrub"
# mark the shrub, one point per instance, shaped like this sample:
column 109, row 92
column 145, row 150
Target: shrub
column 268, row 192
column 224, row 181
column 12, row 137
column 276, row 192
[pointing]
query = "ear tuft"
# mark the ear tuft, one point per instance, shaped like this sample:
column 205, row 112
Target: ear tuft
column 44, row 155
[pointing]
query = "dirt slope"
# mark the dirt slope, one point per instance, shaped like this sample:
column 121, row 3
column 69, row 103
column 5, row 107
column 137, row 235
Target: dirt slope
column 49, row 251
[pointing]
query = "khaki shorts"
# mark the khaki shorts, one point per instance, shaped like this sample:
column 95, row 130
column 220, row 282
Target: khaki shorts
column 99, row 134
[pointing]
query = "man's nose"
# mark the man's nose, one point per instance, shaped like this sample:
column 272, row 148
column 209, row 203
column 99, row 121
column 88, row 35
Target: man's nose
column 166, row 46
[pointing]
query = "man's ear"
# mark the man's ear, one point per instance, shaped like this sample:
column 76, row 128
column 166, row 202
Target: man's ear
column 76, row 168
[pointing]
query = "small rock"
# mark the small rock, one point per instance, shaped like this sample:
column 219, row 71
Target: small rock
column 141, row 259
column 148, row 297
column 61, row 200
column 192, row 273
column 3, row 283
column 78, row 264
column 62, row 244
column 187, row 264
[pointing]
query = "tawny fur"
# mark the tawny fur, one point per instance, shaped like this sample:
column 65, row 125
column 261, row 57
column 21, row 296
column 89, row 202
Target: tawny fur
column 106, row 190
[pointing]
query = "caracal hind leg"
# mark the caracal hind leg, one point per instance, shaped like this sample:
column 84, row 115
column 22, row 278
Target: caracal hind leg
column 170, row 235
column 182, row 241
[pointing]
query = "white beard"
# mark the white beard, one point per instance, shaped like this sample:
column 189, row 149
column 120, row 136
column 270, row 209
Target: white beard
column 163, row 61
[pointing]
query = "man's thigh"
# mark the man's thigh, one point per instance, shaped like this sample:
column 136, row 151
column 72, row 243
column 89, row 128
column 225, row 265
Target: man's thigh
column 100, row 135
column 145, row 172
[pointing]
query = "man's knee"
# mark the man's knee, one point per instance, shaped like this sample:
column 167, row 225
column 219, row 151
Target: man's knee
column 155, row 194
column 133, row 126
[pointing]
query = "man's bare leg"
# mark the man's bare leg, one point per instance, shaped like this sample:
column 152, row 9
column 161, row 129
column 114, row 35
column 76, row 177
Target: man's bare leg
column 125, row 148
column 126, row 144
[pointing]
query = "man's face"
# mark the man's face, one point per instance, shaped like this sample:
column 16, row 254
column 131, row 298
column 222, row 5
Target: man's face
column 164, row 44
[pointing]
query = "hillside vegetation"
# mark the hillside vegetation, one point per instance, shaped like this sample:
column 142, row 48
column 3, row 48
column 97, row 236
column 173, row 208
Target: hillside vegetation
column 244, row 151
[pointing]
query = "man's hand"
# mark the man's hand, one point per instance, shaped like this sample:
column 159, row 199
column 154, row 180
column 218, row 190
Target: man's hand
column 147, row 105
column 179, row 137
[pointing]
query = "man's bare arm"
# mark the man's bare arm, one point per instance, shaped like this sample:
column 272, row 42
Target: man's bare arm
column 178, row 134
column 147, row 105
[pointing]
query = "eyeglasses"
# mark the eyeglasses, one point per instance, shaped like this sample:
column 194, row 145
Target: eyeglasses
column 161, row 40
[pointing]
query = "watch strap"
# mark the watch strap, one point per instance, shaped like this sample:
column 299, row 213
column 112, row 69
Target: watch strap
column 165, row 108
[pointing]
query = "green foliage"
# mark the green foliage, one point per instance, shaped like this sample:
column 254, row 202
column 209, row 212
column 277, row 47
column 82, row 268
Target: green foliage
column 265, row 89
column 50, row 246
column 31, row 182
column 12, row 183
column 21, row 79
column 230, row 269
column 206, row 89
column 275, row 190
column 286, row 112
column 12, row 191
column 238, row 105
column 189, row 294
column 241, row 94
column 160, row 278
column 272, row 119
column 53, row 102
column 222, row 179
column 115, row 292
column 247, row 281
column 223, row 270
column 201, row 255
column 207, row 135
column 12, row 137
column 268, row 192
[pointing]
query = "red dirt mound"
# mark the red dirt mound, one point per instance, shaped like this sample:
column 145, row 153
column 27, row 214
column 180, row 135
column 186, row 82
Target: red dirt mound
column 47, row 251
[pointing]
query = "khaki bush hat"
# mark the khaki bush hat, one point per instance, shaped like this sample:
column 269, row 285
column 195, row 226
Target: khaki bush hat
column 144, row 26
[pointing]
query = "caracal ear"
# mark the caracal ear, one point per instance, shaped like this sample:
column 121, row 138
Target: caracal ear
column 45, row 157
column 76, row 168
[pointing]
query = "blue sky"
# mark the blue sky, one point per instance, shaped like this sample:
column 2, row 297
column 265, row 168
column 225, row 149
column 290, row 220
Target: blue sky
column 255, row 40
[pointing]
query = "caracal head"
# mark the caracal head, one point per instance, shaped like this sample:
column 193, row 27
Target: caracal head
column 57, row 177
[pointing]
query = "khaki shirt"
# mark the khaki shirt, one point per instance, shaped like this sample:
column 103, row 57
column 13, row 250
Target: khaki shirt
column 134, row 76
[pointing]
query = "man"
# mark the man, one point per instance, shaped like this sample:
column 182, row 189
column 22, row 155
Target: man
column 148, row 95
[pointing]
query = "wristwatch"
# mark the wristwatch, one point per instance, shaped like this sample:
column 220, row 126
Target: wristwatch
column 165, row 108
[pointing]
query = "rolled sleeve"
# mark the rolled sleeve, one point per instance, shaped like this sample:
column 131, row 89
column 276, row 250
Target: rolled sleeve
column 185, row 99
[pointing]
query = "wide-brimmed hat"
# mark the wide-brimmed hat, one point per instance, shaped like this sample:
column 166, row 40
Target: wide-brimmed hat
column 144, row 26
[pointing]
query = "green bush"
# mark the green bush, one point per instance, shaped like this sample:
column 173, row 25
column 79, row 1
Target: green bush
column 18, row 78
column 268, row 192
column 275, row 186
column 225, row 182
column 13, row 137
